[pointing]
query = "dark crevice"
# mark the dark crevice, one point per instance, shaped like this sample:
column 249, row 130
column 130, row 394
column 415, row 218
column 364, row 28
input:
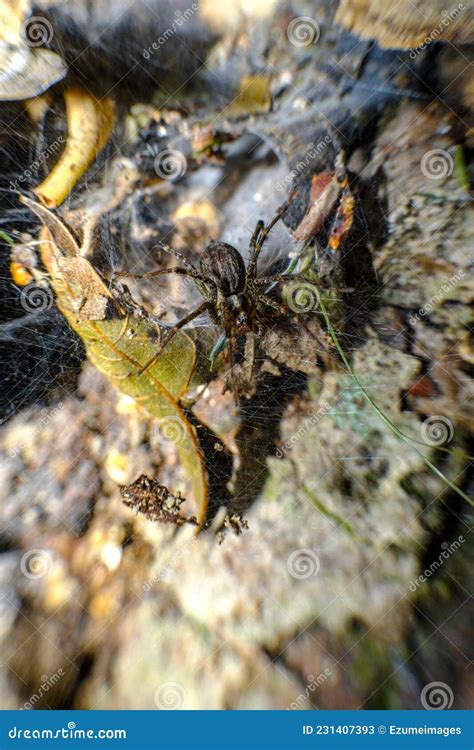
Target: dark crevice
column 259, row 432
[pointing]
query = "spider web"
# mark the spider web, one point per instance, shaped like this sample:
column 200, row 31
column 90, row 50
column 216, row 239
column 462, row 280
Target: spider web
column 37, row 348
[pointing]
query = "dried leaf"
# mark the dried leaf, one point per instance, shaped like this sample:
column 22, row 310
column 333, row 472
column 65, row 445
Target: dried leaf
column 342, row 221
column 325, row 191
column 120, row 345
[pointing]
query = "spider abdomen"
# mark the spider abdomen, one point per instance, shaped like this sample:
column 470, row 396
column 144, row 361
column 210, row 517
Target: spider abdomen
column 225, row 266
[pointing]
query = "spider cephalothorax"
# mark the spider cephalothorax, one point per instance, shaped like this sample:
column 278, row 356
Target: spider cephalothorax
column 224, row 264
column 224, row 273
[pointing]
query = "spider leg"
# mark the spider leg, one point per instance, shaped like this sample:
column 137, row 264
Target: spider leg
column 259, row 237
column 226, row 324
column 173, row 331
column 266, row 300
column 257, row 231
column 249, row 356
column 279, row 277
column 190, row 273
column 291, row 276
column 273, row 304
column 181, row 271
column 186, row 263
column 257, row 242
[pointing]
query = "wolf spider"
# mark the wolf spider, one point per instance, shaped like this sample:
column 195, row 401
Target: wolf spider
column 233, row 295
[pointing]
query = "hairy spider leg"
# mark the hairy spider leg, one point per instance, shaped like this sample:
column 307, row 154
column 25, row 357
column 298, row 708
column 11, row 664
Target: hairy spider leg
column 188, row 270
column 249, row 356
column 181, row 271
column 200, row 281
column 191, row 273
column 227, row 326
column 254, row 238
column 259, row 238
column 186, row 263
column 291, row 276
column 173, row 331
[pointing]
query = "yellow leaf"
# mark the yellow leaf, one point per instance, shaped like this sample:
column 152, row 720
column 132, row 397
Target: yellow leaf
column 120, row 345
